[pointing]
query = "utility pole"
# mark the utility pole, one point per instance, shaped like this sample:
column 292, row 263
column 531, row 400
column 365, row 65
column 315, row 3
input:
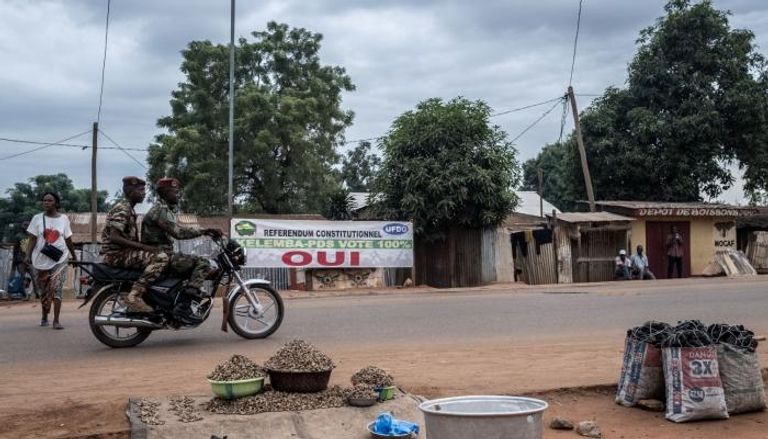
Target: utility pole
column 582, row 151
column 94, row 185
column 231, row 107
column 541, row 192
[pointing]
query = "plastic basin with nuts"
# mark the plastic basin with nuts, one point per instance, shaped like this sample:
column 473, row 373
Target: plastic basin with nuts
column 237, row 389
column 487, row 417
column 299, row 382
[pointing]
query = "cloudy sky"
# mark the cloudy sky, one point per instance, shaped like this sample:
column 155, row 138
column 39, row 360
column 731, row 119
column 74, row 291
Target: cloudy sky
column 510, row 53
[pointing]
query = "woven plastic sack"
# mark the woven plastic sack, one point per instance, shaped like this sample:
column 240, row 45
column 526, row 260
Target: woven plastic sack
column 742, row 379
column 642, row 375
column 693, row 387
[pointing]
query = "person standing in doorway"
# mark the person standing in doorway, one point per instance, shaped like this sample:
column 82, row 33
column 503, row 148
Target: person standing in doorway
column 674, row 253
column 50, row 236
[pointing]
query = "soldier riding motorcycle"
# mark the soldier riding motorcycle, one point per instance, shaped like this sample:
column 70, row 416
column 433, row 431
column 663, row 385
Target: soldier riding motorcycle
column 252, row 308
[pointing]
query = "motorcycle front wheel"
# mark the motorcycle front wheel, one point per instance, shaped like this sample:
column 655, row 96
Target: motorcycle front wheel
column 247, row 322
column 107, row 303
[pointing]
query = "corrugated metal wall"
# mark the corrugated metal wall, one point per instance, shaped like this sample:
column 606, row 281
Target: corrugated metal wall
column 6, row 262
column 538, row 263
column 455, row 261
column 564, row 265
column 595, row 253
column 488, row 256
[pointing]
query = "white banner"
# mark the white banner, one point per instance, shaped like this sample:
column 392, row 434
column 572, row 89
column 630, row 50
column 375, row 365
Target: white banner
column 325, row 244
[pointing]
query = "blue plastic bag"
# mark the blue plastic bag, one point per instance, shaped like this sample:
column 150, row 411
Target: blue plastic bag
column 16, row 286
column 386, row 424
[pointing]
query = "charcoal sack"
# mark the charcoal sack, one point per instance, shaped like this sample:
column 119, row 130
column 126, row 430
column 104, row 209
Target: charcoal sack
column 693, row 387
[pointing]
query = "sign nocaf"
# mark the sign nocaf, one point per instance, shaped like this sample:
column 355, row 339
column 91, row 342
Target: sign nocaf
column 316, row 244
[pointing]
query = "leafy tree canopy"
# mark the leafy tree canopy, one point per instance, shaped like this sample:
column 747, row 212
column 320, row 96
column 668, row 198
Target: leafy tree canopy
column 359, row 166
column 445, row 164
column 24, row 201
column 288, row 122
column 696, row 100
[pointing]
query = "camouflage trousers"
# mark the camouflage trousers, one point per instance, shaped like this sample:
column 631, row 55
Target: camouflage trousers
column 153, row 264
column 189, row 265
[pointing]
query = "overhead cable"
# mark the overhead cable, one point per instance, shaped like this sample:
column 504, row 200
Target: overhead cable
column 536, row 121
column 121, row 148
column 70, row 145
column 47, row 145
column 575, row 43
column 104, row 62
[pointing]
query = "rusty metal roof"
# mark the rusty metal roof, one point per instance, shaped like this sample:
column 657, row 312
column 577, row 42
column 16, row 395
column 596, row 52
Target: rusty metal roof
column 591, row 217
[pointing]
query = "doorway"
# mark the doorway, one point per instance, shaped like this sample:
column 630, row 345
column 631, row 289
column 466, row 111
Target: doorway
column 656, row 233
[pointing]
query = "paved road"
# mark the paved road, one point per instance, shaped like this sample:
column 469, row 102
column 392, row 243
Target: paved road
column 436, row 318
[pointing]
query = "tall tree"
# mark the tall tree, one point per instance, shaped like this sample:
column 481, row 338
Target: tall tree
column 24, row 201
column 359, row 167
column 696, row 100
column 288, row 123
column 445, row 164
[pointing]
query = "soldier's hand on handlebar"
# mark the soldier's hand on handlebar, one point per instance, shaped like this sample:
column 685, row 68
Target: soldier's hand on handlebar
column 214, row 233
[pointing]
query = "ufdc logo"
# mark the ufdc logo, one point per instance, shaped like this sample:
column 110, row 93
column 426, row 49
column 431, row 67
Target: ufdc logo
column 395, row 229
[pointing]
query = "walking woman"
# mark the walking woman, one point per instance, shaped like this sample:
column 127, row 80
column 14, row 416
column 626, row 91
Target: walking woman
column 50, row 236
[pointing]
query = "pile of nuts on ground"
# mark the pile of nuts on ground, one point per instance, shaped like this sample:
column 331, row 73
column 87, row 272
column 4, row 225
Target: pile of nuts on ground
column 184, row 408
column 236, row 368
column 273, row 401
column 373, row 376
column 294, row 356
column 149, row 409
column 299, row 356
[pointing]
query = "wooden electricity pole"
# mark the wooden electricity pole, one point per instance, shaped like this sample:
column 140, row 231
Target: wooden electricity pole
column 582, row 151
column 94, row 186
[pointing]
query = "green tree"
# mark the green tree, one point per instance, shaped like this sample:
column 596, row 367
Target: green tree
column 24, row 201
column 359, row 167
column 288, row 123
column 339, row 206
column 696, row 100
column 445, row 164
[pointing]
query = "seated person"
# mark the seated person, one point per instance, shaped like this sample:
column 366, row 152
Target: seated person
column 640, row 268
column 121, row 247
column 622, row 265
column 160, row 227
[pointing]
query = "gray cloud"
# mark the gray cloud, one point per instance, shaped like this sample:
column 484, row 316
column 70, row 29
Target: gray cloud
column 509, row 53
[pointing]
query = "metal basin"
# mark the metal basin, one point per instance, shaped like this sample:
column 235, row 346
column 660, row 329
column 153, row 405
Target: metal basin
column 484, row 416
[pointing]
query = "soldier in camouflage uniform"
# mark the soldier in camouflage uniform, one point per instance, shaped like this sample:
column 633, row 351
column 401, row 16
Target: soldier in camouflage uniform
column 122, row 248
column 160, row 227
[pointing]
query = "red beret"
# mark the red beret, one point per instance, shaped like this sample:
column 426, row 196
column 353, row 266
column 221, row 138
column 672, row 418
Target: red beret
column 133, row 181
column 167, row 182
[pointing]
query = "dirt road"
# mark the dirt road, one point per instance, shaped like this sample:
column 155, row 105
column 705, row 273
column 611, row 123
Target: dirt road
column 65, row 384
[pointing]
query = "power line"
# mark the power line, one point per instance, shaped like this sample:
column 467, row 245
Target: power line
column 104, row 62
column 47, row 145
column 536, row 121
column 70, row 145
column 575, row 43
column 538, row 104
column 122, row 149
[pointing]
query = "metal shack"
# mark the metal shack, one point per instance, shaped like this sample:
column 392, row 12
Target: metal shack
column 588, row 243
column 705, row 228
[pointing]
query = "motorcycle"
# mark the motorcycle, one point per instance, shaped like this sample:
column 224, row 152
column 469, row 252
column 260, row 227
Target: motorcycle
column 252, row 308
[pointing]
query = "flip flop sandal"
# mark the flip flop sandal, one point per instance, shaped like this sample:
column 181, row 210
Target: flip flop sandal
column 43, row 322
column 57, row 326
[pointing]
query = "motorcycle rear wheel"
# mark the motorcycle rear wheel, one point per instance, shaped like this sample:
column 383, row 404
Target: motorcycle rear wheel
column 107, row 303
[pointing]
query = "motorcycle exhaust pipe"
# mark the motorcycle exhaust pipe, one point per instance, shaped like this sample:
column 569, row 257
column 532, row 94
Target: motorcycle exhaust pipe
column 125, row 322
